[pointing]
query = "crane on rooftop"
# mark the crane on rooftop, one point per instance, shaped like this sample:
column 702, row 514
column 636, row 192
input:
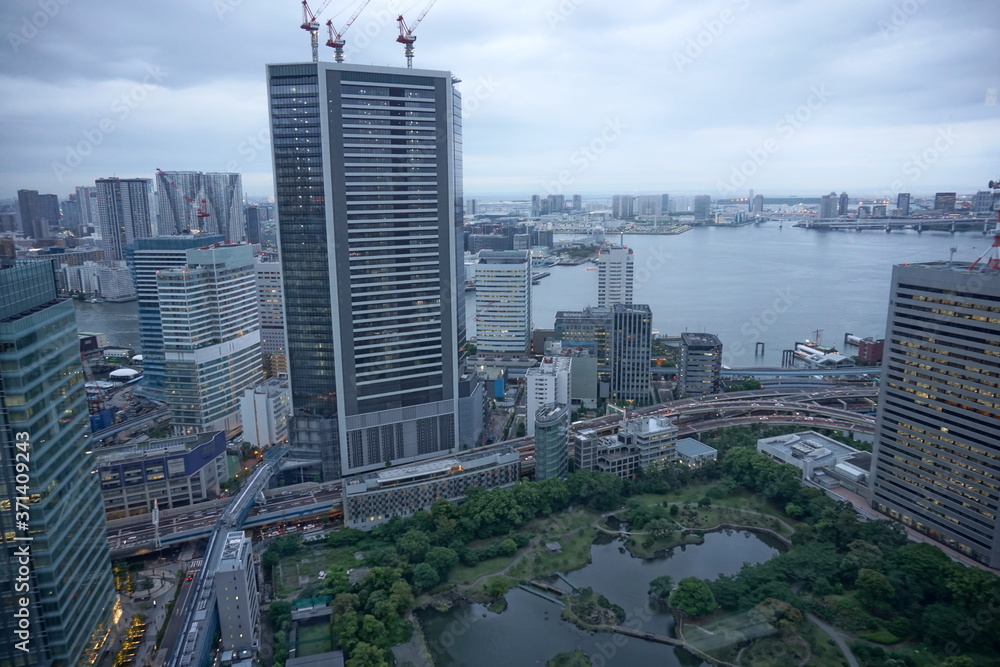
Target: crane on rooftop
column 311, row 24
column 406, row 36
column 336, row 41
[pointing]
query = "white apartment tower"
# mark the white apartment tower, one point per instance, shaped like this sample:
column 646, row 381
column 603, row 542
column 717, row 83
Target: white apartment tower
column 614, row 275
column 237, row 594
column 549, row 382
column 503, row 303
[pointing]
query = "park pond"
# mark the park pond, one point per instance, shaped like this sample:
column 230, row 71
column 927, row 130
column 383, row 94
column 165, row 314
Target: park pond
column 530, row 631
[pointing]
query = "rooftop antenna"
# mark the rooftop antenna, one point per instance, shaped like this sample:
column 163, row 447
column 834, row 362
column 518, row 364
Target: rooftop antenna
column 406, row 36
column 336, row 41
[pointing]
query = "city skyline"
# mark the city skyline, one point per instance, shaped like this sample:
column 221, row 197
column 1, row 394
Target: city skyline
column 845, row 82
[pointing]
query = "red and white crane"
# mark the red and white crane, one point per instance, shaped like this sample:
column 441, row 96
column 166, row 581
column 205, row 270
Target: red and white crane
column 406, row 36
column 336, row 41
column 311, row 24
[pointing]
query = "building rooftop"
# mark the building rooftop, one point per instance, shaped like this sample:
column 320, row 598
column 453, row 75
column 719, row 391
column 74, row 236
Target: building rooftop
column 692, row 447
column 700, row 339
column 810, row 445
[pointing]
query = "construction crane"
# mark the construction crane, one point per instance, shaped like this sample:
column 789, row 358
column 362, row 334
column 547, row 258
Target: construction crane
column 336, row 41
column 311, row 25
column 406, row 36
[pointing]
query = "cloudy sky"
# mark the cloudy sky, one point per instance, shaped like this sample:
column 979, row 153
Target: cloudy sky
column 590, row 96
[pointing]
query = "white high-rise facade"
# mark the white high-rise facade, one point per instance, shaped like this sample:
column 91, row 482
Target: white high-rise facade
column 211, row 337
column 503, row 303
column 237, row 594
column 549, row 382
column 614, row 275
column 270, row 303
column 123, row 209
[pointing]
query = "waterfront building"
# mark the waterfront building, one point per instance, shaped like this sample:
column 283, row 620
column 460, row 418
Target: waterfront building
column 758, row 204
column 944, row 202
column 982, row 201
column 368, row 164
column 264, row 413
column 211, row 337
column 549, row 382
column 50, row 503
column 503, row 303
column 551, row 426
column 614, row 275
column 124, row 214
column 376, row 497
column 700, row 370
column 237, row 594
column 937, row 446
column 174, row 472
column 146, row 258
column 844, row 202
column 828, row 206
column 903, row 204
column 622, row 207
column 703, row 207
column 631, row 348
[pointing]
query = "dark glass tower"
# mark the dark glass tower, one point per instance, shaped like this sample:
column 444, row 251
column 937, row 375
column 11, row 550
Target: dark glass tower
column 54, row 565
column 367, row 164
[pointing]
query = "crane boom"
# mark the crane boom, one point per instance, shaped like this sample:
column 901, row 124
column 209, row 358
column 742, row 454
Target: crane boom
column 406, row 36
column 336, row 40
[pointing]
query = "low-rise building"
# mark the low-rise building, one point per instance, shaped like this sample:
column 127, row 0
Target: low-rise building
column 376, row 497
column 693, row 453
column 639, row 443
column 176, row 472
column 824, row 462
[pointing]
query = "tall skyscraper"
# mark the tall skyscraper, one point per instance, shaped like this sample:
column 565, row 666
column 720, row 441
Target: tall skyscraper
column 211, row 337
column 844, row 201
column 237, row 594
column 54, row 564
column 614, row 275
column 631, row 344
column 39, row 213
column 903, row 203
column 757, row 205
column 253, row 217
column 828, row 206
column 622, row 207
column 937, row 448
column 183, row 199
column 86, row 200
column 368, row 181
column 703, row 207
column 146, row 258
column 503, row 302
column 271, row 306
column 123, row 209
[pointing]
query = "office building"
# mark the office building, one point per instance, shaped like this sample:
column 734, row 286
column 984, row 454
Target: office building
column 211, row 337
column 631, row 345
column 503, row 303
column 828, row 206
column 39, row 214
column 264, row 412
column 551, row 427
column 842, row 207
column 270, row 305
column 944, row 202
column 694, row 453
column 578, row 202
column 937, row 444
column 376, row 497
column 549, row 382
column 209, row 203
column 614, row 275
column 123, row 211
column 174, row 472
column 371, row 264
column 622, row 207
column 903, row 204
column 237, row 594
column 703, row 208
column 757, row 206
column 700, row 370
column 253, row 217
column 982, row 201
column 590, row 328
column 640, row 443
column 68, row 594
column 146, row 258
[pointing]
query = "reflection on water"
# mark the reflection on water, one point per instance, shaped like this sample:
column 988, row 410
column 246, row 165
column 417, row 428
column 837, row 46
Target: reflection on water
column 119, row 321
column 530, row 632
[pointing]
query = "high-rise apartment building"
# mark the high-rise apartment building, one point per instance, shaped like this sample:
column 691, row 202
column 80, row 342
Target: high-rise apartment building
column 550, row 426
column 209, row 203
column 700, row 371
column 55, row 574
column 703, row 207
column 631, row 345
column 237, row 594
column 503, row 303
column 622, row 207
column 614, row 275
column 39, row 213
column 937, row 448
column 549, row 382
column 842, row 206
column 828, row 206
column 211, row 337
column 368, row 181
column 757, row 205
column 123, row 210
column 903, row 203
column 944, row 202
column 271, row 306
column 86, row 201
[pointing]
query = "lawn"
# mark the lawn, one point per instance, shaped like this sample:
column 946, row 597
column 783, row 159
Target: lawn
column 308, row 563
column 314, row 638
column 465, row 575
